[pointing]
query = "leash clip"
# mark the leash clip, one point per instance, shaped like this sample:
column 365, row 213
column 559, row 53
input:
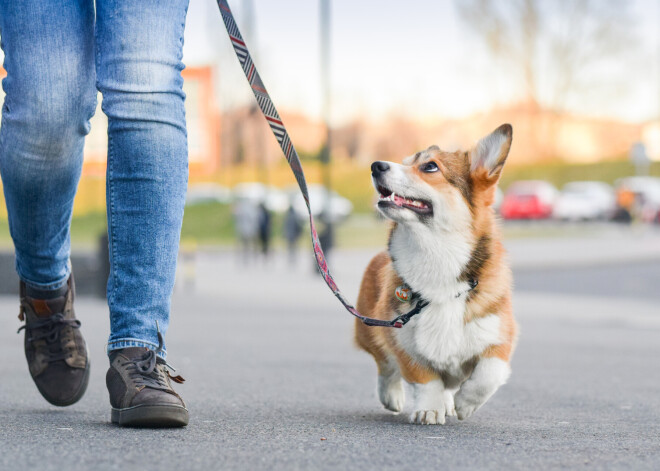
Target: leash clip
column 404, row 318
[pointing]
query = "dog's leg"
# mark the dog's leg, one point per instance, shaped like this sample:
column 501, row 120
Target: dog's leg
column 390, row 385
column 448, row 396
column 429, row 403
column 487, row 377
column 428, row 391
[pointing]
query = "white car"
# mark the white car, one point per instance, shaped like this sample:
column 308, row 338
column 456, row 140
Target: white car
column 255, row 193
column 199, row 193
column 587, row 200
column 339, row 207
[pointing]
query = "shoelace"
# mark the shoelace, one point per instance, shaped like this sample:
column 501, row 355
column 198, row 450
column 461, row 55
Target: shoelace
column 144, row 372
column 49, row 330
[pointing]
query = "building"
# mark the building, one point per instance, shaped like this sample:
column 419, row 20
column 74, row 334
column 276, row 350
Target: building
column 203, row 122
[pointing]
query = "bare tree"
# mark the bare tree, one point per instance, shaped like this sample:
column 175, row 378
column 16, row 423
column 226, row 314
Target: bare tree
column 556, row 47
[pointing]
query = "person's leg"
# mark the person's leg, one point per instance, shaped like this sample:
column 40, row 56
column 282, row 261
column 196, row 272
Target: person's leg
column 139, row 50
column 50, row 97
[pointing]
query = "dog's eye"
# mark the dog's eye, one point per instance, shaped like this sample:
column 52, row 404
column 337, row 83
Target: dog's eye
column 429, row 167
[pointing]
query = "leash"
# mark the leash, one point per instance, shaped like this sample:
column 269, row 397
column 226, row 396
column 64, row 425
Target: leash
column 276, row 125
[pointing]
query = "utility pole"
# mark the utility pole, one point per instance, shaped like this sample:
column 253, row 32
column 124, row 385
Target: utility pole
column 254, row 117
column 327, row 236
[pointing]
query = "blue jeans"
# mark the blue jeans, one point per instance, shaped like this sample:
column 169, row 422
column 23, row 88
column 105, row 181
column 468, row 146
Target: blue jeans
column 58, row 53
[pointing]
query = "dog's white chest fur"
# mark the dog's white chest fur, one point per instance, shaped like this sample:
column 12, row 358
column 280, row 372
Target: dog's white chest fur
column 440, row 338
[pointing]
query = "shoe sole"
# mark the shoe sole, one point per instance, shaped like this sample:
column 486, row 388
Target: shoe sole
column 79, row 394
column 151, row 416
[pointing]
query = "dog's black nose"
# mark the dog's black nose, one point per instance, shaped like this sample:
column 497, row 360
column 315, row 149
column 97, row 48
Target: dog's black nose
column 379, row 167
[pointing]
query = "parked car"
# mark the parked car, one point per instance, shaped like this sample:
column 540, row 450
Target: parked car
column 586, row 200
column 646, row 192
column 275, row 199
column 528, row 199
column 339, row 209
column 199, row 193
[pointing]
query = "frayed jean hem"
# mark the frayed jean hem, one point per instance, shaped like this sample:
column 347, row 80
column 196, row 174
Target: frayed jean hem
column 126, row 343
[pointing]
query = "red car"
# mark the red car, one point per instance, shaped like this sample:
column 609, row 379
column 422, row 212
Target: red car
column 530, row 199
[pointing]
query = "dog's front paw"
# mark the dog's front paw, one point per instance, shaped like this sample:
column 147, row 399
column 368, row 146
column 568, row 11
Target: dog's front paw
column 466, row 406
column 428, row 417
column 450, row 409
column 391, row 393
column 488, row 375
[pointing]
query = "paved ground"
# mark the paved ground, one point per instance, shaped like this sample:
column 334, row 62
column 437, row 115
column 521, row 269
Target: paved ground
column 275, row 383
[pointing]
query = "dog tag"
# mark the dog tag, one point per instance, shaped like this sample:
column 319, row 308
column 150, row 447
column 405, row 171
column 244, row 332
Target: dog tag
column 402, row 293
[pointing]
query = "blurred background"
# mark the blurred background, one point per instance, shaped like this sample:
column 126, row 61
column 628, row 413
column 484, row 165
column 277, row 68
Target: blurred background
column 355, row 82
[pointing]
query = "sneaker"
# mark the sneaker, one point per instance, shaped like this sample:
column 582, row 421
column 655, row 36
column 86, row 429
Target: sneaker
column 54, row 346
column 140, row 387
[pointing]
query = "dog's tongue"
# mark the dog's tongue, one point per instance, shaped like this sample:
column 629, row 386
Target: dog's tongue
column 398, row 200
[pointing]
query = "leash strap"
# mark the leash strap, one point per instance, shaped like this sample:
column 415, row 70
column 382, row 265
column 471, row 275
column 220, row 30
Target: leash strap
column 276, row 125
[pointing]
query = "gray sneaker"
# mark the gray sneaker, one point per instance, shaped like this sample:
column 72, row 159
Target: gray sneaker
column 140, row 387
column 54, row 346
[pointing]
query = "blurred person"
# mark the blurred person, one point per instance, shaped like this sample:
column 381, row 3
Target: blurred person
column 292, row 232
column 326, row 237
column 625, row 200
column 265, row 223
column 246, row 217
column 58, row 54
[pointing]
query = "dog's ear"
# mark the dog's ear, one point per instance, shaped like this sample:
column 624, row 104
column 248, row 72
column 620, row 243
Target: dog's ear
column 488, row 156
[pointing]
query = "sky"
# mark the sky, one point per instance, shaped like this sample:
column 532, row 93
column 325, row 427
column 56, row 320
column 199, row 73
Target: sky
column 414, row 58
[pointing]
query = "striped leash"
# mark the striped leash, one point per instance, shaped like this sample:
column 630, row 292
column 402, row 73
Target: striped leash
column 276, row 125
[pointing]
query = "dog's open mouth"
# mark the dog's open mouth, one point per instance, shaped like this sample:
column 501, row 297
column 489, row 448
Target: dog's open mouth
column 390, row 199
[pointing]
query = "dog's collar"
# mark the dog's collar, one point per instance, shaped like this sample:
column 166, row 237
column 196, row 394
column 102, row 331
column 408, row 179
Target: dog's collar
column 405, row 294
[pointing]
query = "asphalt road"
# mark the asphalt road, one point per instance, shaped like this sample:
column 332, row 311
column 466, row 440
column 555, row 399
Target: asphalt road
column 633, row 280
column 273, row 381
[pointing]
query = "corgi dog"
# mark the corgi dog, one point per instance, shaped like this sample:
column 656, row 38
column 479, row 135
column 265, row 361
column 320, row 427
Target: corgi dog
column 444, row 256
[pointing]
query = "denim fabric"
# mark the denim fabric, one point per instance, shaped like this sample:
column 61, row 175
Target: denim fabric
column 57, row 54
